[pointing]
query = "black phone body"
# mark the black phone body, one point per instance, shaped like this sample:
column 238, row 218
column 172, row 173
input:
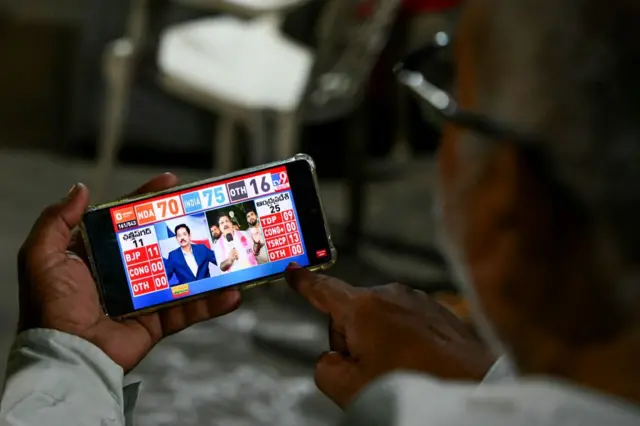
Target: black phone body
column 238, row 230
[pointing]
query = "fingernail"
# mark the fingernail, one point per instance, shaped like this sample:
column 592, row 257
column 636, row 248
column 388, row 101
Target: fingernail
column 323, row 355
column 331, row 357
column 73, row 256
column 73, row 191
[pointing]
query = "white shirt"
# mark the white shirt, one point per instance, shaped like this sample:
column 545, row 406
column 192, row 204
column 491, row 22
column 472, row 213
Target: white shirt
column 191, row 262
column 56, row 379
column 409, row 399
column 223, row 248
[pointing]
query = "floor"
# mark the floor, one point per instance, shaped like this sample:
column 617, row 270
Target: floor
column 224, row 372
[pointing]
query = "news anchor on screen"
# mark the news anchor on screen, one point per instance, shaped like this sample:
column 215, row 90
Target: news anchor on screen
column 190, row 262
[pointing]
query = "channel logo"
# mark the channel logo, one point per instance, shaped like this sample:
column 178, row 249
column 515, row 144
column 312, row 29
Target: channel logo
column 280, row 180
column 124, row 218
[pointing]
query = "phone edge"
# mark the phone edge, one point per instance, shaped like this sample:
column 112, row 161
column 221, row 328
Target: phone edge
column 314, row 174
column 92, row 266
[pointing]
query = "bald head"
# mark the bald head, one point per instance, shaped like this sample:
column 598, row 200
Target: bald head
column 567, row 71
column 547, row 236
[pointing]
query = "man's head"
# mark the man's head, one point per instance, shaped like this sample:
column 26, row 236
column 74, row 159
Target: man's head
column 236, row 227
column 215, row 231
column 225, row 224
column 546, row 236
column 183, row 235
column 252, row 218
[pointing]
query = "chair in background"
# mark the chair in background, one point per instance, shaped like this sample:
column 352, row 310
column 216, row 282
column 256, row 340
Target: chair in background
column 124, row 57
column 266, row 81
column 351, row 36
column 350, row 40
column 250, row 74
column 247, row 73
column 271, row 88
column 245, row 8
column 118, row 68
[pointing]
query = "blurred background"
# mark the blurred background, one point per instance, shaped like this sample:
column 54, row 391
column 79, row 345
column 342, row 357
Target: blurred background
column 112, row 92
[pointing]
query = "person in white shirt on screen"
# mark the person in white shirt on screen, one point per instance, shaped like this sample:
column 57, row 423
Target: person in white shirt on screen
column 254, row 228
column 237, row 249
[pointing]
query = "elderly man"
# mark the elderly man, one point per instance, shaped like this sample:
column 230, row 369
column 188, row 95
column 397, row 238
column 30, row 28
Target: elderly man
column 538, row 205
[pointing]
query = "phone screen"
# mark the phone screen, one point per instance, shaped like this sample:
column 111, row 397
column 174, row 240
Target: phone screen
column 211, row 236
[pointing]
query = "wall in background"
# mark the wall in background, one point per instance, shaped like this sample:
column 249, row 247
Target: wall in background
column 51, row 87
column 29, row 83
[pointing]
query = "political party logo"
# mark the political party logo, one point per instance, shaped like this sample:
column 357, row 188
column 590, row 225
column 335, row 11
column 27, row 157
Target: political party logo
column 180, row 290
column 237, row 191
column 192, row 202
column 145, row 214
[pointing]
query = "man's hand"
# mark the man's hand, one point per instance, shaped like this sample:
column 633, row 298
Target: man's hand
column 58, row 292
column 256, row 236
column 234, row 255
column 376, row 331
column 228, row 263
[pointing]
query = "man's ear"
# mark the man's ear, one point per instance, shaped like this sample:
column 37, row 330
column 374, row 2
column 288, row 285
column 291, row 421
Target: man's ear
column 530, row 252
column 505, row 220
column 493, row 200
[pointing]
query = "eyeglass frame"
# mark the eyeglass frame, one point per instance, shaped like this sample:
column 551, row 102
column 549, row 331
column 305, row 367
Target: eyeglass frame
column 443, row 102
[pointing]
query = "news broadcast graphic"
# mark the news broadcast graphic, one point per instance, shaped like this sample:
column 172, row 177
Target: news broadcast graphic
column 280, row 227
column 143, row 261
column 209, row 237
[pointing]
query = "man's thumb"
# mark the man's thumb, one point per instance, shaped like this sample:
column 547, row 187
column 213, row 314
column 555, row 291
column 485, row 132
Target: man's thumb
column 52, row 231
column 338, row 377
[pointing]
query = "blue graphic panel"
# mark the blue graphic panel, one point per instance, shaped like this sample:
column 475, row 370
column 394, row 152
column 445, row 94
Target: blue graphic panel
column 192, row 202
column 221, row 281
column 163, row 232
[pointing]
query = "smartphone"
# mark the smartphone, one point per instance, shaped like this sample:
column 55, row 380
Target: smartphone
column 239, row 230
